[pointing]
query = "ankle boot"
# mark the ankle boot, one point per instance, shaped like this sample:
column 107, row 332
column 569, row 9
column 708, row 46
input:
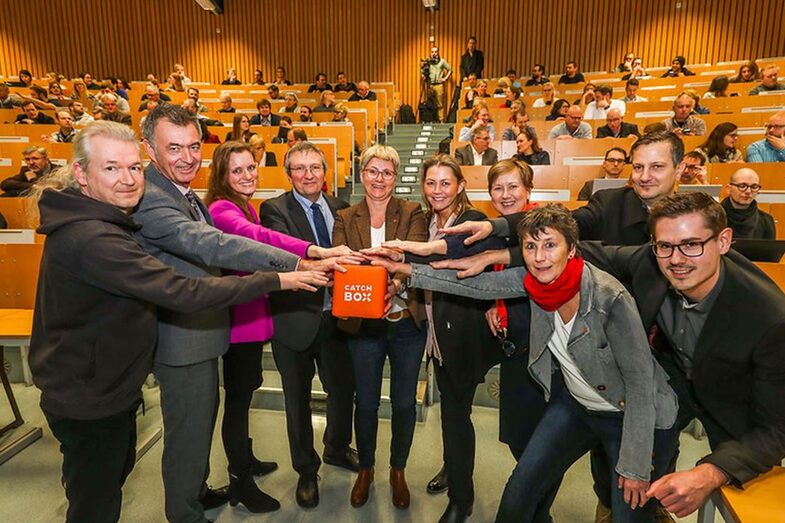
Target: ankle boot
column 361, row 488
column 258, row 467
column 243, row 489
column 400, row 491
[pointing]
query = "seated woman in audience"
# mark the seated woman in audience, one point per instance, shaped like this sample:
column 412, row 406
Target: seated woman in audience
column 501, row 85
column 480, row 116
column 638, row 71
column 558, row 110
column 720, row 146
column 80, row 91
column 241, row 129
column 718, row 87
column 175, row 83
column 232, row 183
column 748, row 72
column 528, row 149
column 340, row 113
column 587, row 97
column 290, row 104
column 511, row 94
column 263, row 157
column 481, row 91
column 231, row 77
column 589, row 353
column 626, row 65
column 548, row 95
column 400, row 335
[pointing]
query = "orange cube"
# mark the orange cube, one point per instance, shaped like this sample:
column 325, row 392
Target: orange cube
column 359, row 292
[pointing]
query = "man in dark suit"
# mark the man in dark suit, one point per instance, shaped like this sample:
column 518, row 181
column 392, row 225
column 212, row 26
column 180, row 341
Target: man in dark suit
column 718, row 326
column 32, row 115
column 479, row 151
column 472, row 60
column 177, row 229
column 265, row 116
column 305, row 330
column 616, row 127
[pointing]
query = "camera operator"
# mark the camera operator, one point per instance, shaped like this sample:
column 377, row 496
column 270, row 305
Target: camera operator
column 438, row 72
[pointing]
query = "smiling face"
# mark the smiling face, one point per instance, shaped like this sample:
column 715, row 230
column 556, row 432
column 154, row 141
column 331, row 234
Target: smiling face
column 508, row 193
column 31, row 111
column 546, row 256
column 692, row 276
column 653, row 172
column 481, row 141
column 307, row 174
column 441, row 189
column 177, row 153
column 242, row 174
column 522, row 144
column 114, row 174
column 379, row 179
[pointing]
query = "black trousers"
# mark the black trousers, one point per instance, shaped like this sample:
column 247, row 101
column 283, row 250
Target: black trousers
column 98, row 455
column 457, row 435
column 330, row 353
column 242, row 376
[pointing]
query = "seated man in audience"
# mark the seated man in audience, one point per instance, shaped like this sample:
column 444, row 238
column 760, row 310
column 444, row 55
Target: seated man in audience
column 40, row 97
column 89, row 83
column 280, row 76
column 571, row 74
column 193, row 94
column 363, row 93
column 190, row 105
column 110, row 111
column 108, row 87
column 66, row 133
column 162, row 97
column 538, row 76
column 479, row 151
column 677, row 69
column 343, row 85
column 320, row 85
column 571, row 127
column 520, row 121
column 631, row 92
column 768, row 81
column 603, row 102
column 694, row 171
column 772, row 147
column 180, row 69
column 265, row 116
column 37, row 165
column 80, row 115
column 616, row 127
column 744, row 217
column 273, row 92
column 683, row 123
column 306, row 114
column 327, row 102
column 611, row 169
column 31, row 115
column 231, row 77
column 226, row 104
column 295, row 136
column 8, row 100
column 258, row 77
column 151, row 94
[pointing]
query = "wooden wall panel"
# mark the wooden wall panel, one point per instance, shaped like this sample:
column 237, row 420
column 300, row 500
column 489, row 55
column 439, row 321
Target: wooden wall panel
column 379, row 40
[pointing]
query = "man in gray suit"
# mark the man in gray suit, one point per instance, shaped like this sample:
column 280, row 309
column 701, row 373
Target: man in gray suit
column 177, row 229
column 479, row 151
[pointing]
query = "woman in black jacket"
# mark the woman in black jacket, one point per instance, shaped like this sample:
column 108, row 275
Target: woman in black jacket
column 95, row 325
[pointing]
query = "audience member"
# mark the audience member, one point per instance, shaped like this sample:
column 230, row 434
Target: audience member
column 603, row 102
column 559, row 110
column 439, row 71
column 263, row 157
column 772, row 147
column 40, row 97
column 320, row 85
column 538, row 76
column 37, row 165
column 363, row 93
column 231, row 77
column 280, row 76
column 295, row 136
column 193, row 94
column 677, row 68
column 80, row 115
column 175, row 84
column 519, row 122
column 226, row 104
column 7, row 99
column 571, row 74
column 273, row 92
column 56, row 96
column 66, row 132
column 180, row 70
column 290, row 103
column 481, row 117
column 258, row 78
column 527, row 149
column 511, row 94
column 472, row 61
column 718, row 87
column 720, row 146
column 31, row 115
column 631, row 92
column 683, row 123
column 548, row 95
column 611, row 169
column 111, row 111
column 744, row 217
column 626, row 65
column 693, row 170
column 572, row 126
column 265, row 116
column 340, row 113
column 343, row 85
column 24, row 79
column 479, row 151
column 638, row 71
column 616, row 127
column 241, row 129
column 748, row 72
column 768, row 81
column 327, row 102
column 151, row 94
column 477, row 93
column 306, row 113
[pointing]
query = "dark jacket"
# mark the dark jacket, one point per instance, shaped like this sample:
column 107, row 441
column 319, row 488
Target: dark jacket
column 535, row 158
column 750, row 222
column 465, row 156
column 370, row 97
column 738, row 373
column 42, row 118
column 18, row 184
column 256, row 119
column 95, row 326
column 627, row 129
column 472, row 63
column 297, row 315
column 270, row 160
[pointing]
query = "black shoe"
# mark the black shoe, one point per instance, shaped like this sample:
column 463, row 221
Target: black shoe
column 456, row 514
column 307, row 491
column 439, row 482
column 214, row 498
column 243, row 489
column 258, row 467
column 347, row 459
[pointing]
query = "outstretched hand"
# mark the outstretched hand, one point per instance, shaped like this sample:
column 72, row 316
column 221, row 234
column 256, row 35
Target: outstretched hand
column 394, row 255
column 418, row 248
column 302, row 280
column 476, row 230
column 469, row 266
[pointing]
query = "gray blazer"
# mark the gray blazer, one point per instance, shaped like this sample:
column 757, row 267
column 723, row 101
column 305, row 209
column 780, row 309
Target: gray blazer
column 464, row 156
column 172, row 232
column 608, row 343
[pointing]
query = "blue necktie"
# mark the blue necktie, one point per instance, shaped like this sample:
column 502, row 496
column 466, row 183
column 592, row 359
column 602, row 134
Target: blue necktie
column 322, row 235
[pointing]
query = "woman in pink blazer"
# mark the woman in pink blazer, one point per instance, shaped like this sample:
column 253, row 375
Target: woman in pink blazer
column 232, row 184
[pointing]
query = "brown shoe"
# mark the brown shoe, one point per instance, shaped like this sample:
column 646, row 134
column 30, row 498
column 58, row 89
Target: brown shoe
column 602, row 514
column 361, row 487
column 400, row 491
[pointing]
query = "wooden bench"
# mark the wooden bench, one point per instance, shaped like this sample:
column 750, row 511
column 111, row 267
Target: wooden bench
column 761, row 501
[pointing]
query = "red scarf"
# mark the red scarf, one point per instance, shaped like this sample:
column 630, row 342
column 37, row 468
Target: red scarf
column 553, row 295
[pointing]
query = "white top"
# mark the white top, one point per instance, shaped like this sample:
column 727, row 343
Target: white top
column 539, row 102
column 477, row 156
column 594, row 113
column 377, row 238
column 573, row 379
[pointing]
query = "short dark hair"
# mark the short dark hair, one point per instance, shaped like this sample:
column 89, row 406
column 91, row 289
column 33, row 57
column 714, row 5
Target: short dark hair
column 319, row 75
column 299, row 134
column 554, row 216
column 676, row 145
column 511, row 71
column 273, row 87
column 541, row 66
column 573, row 62
column 472, row 38
column 681, row 204
column 264, row 102
column 605, row 90
column 698, row 155
column 633, row 81
column 618, row 150
column 171, row 113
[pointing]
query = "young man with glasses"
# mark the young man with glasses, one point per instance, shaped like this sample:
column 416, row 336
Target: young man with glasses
column 744, row 217
column 612, row 167
column 772, row 147
column 694, row 172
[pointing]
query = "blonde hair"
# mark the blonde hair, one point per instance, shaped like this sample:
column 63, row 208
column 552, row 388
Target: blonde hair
column 382, row 152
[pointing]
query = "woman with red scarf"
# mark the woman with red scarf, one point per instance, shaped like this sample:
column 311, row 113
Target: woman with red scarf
column 589, row 353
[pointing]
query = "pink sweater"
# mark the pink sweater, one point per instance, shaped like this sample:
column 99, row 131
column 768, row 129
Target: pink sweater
column 252, row 321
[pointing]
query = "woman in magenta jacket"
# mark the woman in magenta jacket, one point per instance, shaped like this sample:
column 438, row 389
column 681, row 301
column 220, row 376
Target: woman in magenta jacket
column 232, row 184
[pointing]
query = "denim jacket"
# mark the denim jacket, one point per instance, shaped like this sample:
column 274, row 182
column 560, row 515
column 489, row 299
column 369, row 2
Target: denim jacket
column 607, row 343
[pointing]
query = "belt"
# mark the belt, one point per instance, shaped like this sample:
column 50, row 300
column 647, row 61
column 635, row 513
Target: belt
column 398, row 316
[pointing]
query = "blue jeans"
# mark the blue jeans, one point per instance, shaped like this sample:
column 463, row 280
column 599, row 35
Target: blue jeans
column 568, row 431
column 404, row 343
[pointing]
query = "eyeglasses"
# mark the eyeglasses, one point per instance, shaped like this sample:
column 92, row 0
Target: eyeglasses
column 508, row 347
column 754, row 187
column 386, row 174
column 691, row 167
column 615, row 160
column 775, row 126
column 315, row 169
column 690, row 249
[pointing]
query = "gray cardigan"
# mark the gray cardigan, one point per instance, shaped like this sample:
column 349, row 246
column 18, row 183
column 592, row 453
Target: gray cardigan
column 608, row 344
